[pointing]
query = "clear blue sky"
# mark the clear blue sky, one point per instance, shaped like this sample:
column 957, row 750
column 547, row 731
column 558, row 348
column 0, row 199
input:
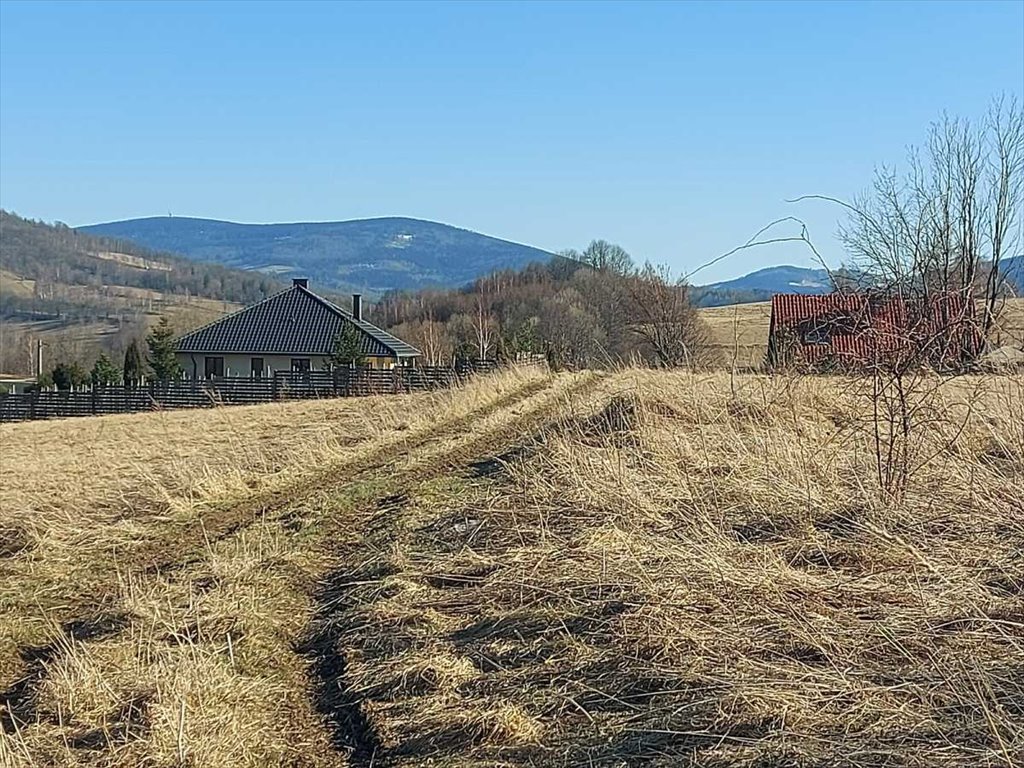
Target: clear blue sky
column 674, row 129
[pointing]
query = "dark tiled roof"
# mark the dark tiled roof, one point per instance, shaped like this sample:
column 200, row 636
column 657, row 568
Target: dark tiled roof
column 293, row 322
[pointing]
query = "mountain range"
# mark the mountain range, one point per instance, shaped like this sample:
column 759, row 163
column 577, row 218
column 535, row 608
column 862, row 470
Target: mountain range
column 371, row 255
column 377, row 255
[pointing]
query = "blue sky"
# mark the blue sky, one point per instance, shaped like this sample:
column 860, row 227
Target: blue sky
column 674, row 129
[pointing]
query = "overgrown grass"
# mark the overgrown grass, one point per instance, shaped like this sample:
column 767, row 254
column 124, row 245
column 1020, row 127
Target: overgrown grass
column 699, row 573
column 661, row 569
column 121, row 645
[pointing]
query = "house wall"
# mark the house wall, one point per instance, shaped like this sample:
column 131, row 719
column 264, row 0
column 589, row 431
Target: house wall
column 194, row 366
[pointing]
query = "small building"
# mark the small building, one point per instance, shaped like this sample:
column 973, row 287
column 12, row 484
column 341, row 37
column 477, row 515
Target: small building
column 294, row 330
column 14, row 384
column 855, row 330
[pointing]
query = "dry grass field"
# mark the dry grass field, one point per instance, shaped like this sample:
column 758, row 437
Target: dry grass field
column 607, row 569
column 739, row 333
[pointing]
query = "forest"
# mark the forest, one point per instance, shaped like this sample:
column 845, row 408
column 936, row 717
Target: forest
column 582, row 309
column 58, row 254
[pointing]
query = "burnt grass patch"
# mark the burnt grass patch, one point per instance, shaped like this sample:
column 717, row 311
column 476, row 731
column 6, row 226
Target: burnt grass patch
column 761, row 530
column 18, row 703
column 493, row 467
column 96, row 627
column 129, row 722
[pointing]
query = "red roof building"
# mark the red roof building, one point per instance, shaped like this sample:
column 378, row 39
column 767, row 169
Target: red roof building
column 850, row 331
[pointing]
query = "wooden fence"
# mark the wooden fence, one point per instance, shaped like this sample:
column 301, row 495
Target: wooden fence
column 205, row 393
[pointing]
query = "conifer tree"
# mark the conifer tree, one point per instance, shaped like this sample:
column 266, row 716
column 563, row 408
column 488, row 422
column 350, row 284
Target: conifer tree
column 104, row 372
column 162, row 360
column 347, row 348
column 132, row 364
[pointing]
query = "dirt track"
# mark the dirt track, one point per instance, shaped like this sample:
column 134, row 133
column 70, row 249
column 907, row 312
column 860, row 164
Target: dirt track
column 343, row 497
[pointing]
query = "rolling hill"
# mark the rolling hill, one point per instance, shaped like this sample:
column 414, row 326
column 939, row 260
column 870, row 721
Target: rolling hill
column 372, row 255
column 764, row 283
column 81, row 294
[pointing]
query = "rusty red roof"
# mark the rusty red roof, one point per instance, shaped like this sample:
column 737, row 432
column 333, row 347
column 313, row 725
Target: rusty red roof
column 851, row 329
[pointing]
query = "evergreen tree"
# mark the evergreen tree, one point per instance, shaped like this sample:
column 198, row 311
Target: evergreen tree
column 347, row 348
column 104, row 372
column 68, row 375
column 161, row 352
column 132, row 364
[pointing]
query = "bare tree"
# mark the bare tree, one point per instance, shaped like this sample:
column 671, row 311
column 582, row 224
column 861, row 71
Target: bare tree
column 436, row 350
column 604, row 257
column 485, row 327
column 944, row 226
column 662, row 316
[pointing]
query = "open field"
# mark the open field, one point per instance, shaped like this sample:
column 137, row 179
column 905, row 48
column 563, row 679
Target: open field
column 608, row 569
column 739, row 333
column 1011, row 324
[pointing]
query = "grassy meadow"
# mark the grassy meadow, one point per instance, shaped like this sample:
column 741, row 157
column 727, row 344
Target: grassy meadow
column 609, row 569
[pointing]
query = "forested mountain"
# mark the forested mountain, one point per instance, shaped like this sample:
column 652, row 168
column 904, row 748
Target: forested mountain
column 370, row 255
column 56, row 253
column 84, row 294
column 762, row 285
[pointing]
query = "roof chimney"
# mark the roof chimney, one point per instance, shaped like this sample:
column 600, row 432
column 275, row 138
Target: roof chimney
column 300, row 282
column 357, row 306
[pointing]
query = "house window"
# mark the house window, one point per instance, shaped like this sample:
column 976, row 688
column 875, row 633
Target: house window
column 257, row 368
column 300, row 364
column 214, row 367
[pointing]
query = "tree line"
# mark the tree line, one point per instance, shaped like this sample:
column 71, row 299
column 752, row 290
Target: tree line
column 582, row 309
column 158, row 364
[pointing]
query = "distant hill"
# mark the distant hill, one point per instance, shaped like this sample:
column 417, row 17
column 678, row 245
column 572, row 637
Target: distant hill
column 373, row 255
column 82, row 294
column 762, row 285
column 1013, row 268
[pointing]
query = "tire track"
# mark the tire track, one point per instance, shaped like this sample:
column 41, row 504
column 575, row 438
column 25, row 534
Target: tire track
column 233, row 518
column 156, row 556
column 351, row 731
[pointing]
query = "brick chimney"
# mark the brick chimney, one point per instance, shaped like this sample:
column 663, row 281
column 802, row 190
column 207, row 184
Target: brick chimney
column 300, row 282
column 357, row 306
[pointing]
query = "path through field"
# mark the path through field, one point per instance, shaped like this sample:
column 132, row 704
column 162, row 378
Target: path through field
column 135, row 600
column 631, row 568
